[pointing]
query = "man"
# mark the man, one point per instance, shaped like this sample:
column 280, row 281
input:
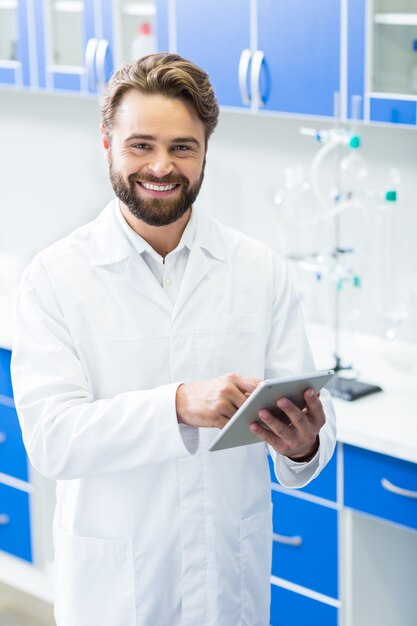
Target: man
column 138, row 336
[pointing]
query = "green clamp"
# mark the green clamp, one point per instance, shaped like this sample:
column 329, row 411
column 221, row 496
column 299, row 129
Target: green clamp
column 355, row 142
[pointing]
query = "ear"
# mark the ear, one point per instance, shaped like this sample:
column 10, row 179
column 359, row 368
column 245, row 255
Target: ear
column 105, row 140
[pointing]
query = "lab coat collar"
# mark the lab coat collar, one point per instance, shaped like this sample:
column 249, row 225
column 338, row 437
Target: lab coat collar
column 110, row 244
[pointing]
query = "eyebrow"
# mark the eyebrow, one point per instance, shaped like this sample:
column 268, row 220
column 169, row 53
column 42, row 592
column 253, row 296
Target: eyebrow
column 192, row 140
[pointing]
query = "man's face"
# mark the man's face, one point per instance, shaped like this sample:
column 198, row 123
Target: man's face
column 156, row 156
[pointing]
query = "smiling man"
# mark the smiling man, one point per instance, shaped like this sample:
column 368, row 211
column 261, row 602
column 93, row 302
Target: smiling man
column 138, row 336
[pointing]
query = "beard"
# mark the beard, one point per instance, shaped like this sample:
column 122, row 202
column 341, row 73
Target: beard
column 155, row 211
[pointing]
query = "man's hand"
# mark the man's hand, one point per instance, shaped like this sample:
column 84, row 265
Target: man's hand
column 211, row 403
column 298, row 439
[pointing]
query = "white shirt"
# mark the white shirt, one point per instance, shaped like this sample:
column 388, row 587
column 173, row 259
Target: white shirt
column 169, row 270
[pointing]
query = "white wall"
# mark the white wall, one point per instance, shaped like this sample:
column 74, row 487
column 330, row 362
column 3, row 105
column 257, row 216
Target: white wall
column 53, row 177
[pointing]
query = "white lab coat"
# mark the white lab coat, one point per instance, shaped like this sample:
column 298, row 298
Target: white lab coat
column 151, row 529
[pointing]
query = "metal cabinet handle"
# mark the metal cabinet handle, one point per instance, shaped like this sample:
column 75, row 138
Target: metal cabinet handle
column 100, row 61
column 399, row 491
column 2, row 437
column 296, row 540
column 4, row 519
column 245, row 58
column 90, row 53
column 258, row 59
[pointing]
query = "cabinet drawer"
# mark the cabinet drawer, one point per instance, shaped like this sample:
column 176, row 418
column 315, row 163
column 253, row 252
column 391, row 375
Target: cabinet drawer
column 304, row 549
column 5, row 378
column 289, row 608
column 14, row 522
column 13, row 460
column 380, row 485
column 324, row 486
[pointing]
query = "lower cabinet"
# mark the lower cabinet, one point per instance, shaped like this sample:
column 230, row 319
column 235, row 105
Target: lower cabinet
column 305, row 557
column 15, row 522
column 305, row 544
column 293, row 609
column 15, row 535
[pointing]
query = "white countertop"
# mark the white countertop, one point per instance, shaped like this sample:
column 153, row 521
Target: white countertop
column 385, row 422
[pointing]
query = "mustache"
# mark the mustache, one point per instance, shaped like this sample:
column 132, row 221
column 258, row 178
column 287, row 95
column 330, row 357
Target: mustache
column 169, row 179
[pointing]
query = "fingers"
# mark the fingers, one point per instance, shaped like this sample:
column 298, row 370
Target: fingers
column 297, row 437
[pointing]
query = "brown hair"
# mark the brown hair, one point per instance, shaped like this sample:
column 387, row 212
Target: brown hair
column 166, row 74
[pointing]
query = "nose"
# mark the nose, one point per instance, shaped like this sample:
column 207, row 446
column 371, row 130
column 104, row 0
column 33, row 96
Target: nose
column 160, row 163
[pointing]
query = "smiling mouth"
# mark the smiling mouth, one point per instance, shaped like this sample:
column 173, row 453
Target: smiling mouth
column 155, row 187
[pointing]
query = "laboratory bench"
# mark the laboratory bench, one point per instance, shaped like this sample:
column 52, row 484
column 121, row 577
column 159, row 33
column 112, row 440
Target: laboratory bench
column 344, row 547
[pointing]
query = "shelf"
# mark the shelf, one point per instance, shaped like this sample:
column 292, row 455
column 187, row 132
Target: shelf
column 68, row 6
column 396, row 19
column 9, row 5
column 139, row 10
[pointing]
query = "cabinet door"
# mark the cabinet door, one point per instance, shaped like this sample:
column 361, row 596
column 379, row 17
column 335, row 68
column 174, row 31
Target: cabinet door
column 5, row 377
column 380, row 485
column 289, row 608
column 213, row 35
column 74, row 41
column 301, row 43
column 14, row 43
column 304, row 550
column 13, row 460
column 324, row 486
column 15, row 522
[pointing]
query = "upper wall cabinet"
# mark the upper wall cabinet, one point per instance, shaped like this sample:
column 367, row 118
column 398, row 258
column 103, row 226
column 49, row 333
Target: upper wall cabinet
column 285, row 56
column 74, row 44
column 217, row 37
column 300, row 47
column 15, row 40
column 273, row 54
column 382, row 60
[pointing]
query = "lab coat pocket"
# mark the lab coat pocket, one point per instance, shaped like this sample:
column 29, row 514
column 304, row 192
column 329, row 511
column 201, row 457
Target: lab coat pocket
column 105, row 568
column 255, row 564
column 240, row 342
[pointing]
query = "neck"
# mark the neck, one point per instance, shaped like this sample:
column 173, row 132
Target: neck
column 163, row 239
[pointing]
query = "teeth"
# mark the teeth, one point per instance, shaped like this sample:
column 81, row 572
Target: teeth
column 158, row 187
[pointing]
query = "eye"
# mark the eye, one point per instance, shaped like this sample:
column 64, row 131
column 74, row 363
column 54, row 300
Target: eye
column 141, row 146
column 181, row 148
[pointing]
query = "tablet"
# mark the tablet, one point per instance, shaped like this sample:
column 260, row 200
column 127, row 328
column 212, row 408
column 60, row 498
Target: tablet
column 237, row 432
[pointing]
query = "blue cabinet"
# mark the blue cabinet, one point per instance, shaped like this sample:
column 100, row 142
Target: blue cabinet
column 15, row 38
column 284, row 57
column 215, row 35
column 74, row 44
column 13, row 460
column 5, row 378
column 293, row 609
column 380, row 40
column 62, row 45
column 305, row 533
column 380, row 485
column 301, row 45
column 324, row 486
column 14, row 522
column 14, row 486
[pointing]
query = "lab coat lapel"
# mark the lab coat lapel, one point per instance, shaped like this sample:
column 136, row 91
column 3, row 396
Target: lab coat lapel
column 146, row 284
column 112, row 252
column 198, row 266
column 207, row 251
